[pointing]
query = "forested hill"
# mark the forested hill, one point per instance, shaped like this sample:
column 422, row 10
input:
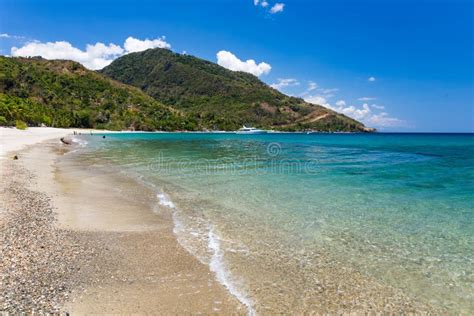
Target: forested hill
column 220, row 98
column 158, row 90
column 63, row 93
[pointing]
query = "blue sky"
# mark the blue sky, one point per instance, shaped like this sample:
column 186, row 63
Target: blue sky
column 420, row 53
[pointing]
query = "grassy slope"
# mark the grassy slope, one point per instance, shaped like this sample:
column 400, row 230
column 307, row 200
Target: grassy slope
column 219, row 98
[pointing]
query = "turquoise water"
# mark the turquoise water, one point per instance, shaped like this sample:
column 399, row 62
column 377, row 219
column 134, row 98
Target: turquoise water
column 398, row 208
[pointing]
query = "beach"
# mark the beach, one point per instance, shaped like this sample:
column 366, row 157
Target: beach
column 115, row 257
column 109, row 225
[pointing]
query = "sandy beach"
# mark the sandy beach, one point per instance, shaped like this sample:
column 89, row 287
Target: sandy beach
column 73, row 243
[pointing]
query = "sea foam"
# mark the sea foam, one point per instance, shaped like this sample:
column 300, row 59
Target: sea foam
column 216, row 261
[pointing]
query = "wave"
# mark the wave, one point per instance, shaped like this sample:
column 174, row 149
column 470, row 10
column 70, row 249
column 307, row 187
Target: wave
column 217, row 266
column 215, row 261
column 80, row 141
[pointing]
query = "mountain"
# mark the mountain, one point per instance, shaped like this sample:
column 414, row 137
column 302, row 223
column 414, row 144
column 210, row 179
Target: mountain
column 63, row 93
column 158, row 90
column 219, row 98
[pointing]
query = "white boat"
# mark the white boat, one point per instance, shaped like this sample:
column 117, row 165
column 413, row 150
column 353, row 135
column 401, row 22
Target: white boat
column 250, row 130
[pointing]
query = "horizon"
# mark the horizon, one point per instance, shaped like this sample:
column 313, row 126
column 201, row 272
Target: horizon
column 355, row 57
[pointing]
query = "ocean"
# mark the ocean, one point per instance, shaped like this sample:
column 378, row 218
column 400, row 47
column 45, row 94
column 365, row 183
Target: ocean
column 307, row 220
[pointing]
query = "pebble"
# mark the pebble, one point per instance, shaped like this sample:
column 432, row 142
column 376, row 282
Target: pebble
column 39, row 264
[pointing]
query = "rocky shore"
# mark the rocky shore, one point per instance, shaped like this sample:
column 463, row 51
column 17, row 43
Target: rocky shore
column 40, row 264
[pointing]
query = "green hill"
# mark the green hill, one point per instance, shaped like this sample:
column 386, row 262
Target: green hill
column 160, row 90
column 219, row 98
column 64, row 94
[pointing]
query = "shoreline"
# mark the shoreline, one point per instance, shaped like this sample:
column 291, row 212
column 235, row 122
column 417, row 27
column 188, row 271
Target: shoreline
column 129, row 258
column 126, row 256
column 13, row 139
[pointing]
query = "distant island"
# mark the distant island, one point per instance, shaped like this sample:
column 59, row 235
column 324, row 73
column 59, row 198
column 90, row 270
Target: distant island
column 153, row 90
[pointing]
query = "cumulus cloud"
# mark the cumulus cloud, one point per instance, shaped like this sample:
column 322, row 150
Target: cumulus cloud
column 277, row 7
column 263, row 3
column 284, row 83
column 230, row 61
column 370, row 115
column 341, row 103
column 94, row 57
column 135, row 45
column 362, row 113
column 357, row 113
column 371, row 79
column 318, row 99
column 383, row 120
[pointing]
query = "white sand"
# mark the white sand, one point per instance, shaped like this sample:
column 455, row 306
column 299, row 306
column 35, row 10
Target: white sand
column 12, row 139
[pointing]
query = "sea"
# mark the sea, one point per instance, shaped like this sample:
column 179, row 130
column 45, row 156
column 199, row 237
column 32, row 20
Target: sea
column 303, row 221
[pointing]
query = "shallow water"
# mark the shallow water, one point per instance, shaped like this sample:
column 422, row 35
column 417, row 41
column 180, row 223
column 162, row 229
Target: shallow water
column 272, row 213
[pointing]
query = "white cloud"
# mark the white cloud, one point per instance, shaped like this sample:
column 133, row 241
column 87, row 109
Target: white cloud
column 329, row 91
column 263, row 3
column 378, row 107
column 363, row 113
column 318, row 99
column 230, row 61
column 94, row 57
column 366, row 99
column 367, row 114
column 10, row 36
column 135, row 45
column 371, row 79
column 341, row 103
column 278, row 7
column 383, row 120
column 357, row 113
column 312, row 86
column 284, row 83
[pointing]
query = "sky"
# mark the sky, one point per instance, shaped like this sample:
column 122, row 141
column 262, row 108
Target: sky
column 401, row 66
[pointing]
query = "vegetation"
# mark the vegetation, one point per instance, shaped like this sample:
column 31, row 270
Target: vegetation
column 65, row 94
column 198, row 95
column 219, row 98
column 20, row 125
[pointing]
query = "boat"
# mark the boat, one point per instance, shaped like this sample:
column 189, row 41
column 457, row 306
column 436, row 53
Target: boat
column 251, row 130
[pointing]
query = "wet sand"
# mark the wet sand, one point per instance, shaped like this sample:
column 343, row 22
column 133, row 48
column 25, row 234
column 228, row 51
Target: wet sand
column 128, row 257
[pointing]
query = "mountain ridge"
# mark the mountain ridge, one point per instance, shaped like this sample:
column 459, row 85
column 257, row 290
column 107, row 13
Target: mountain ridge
column 220, row 98
column 165, row 91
